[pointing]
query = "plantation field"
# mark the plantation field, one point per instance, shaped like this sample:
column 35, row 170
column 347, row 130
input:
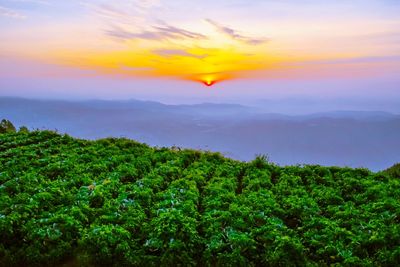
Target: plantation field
column 118, row 202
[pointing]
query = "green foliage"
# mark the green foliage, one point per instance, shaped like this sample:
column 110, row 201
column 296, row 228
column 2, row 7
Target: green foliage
column 393, row 171
column 23, row 129
column 6, row 126
column 116, row 202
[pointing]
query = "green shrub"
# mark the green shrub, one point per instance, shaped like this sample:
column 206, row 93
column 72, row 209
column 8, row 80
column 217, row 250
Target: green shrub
column 116, row 202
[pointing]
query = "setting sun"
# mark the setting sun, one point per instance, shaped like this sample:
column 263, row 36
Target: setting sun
column 206, row 65
column 209, row 82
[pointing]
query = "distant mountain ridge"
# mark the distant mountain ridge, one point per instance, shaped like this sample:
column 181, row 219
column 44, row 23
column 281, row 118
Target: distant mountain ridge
column 344, row 138
column 219, row 108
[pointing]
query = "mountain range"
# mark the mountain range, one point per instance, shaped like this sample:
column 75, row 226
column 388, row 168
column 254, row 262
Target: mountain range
column 345, row 138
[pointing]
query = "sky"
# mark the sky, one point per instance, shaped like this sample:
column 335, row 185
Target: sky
column 180, row 51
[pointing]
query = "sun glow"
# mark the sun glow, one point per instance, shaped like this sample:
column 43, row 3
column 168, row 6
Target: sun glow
column 211, row 79
column 156, row 39
column 205, row 65
column 205, row 58
column 209, row 82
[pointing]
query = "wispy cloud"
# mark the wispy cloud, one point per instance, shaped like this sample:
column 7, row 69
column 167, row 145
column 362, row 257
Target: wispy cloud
column 40, row 2
column 176, row 52
column 110, row 13
column 234, row 34
column 10, row 13
column 155, row 33
column 124, row 35
column 178, row 32
column 127, row 12
column 382, row 37
column 146, row 4
column 120, row 22
column 356, row 60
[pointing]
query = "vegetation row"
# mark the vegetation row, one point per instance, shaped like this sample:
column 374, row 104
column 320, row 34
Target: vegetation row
column 116, row 202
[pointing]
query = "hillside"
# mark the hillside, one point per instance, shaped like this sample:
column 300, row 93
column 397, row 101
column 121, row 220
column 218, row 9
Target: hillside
column 118, row 202
column 394, row 171
column 342, row 138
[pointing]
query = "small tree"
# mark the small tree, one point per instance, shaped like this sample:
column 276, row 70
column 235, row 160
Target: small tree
column 23, row 129
column 6, row 126
column 261, row 161
column 393, row 171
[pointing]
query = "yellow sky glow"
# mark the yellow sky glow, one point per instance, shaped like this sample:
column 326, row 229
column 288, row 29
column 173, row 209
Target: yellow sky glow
column 169, row 39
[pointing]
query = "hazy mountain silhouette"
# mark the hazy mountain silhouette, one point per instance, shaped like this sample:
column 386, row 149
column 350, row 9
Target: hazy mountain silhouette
column 345, row 138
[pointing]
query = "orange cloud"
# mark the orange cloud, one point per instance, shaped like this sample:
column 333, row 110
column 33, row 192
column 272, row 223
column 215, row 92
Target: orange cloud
column 157, row 33
column 167, row 51
column 234, row 34
column 198, row 53
column 206, row 65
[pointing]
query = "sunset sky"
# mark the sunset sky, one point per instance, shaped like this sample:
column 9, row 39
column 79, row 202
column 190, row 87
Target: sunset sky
column 169, row 50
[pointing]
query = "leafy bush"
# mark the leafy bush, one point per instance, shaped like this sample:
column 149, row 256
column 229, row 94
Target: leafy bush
column 6, row 126
column 393, row 171
column 116, row 202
